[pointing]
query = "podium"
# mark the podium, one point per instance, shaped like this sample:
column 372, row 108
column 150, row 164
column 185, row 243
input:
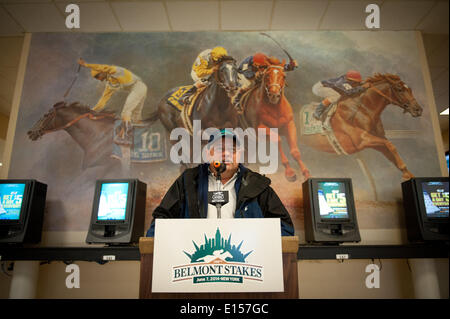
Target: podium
column 290, row 276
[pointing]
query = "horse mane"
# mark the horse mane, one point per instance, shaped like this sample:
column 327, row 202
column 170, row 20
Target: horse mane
column 377, row 77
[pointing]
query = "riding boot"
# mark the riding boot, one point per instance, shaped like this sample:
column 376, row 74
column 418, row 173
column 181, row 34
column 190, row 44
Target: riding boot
column 124, row 134
column 319, row 111
column 186, row 95
column 128, row 138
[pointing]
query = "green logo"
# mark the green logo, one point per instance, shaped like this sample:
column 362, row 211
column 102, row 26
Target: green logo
column 217, row 247
column 217, row 260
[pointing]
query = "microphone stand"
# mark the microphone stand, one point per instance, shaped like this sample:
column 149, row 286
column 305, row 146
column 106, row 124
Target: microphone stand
column 218, row 198
column 220, row 168
column 218, row 205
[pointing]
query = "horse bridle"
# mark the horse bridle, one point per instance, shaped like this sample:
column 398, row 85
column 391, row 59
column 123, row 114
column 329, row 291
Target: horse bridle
column 399, row 102
column 267, row 87
column 216, row 76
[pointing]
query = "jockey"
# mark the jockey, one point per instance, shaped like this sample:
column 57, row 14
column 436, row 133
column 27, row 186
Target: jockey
column 253, row 68
column 118, row 78
column 206, row 63
column 333, row 89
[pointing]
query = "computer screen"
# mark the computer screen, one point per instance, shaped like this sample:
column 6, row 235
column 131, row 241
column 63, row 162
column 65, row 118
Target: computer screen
column 332, row 200
column 446, row 158
column 11, row 199
column 113, row 201
column 435, row 198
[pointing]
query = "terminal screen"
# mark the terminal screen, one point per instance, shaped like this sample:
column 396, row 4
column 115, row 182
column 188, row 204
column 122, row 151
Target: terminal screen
column 11, row 199
column 332, row 200
column 113, row 201
column 435, row 198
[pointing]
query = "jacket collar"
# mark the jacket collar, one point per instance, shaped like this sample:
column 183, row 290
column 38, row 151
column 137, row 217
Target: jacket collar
column 248, row 185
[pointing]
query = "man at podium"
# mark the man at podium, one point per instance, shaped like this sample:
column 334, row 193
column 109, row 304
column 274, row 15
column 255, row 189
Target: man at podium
column 222, row 188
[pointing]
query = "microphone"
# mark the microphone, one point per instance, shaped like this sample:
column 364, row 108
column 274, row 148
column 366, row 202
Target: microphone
column 218, row 198
column 220, row 167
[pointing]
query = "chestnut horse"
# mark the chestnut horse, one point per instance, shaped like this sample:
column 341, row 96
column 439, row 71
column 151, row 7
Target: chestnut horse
column 267, row 107
column 357, row 124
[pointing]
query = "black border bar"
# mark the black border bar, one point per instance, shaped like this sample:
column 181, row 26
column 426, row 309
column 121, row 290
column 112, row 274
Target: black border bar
column 305, row 252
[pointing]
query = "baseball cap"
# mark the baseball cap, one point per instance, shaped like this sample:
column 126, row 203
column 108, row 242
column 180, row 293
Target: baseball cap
column 222, row 133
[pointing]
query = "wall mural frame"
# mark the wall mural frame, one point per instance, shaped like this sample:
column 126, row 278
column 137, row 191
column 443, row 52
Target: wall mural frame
column 374, row 212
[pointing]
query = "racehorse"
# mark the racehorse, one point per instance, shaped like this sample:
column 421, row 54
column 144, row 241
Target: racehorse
column 266, row 107
column 91, row 130
column 357, row 125
column 213, row 105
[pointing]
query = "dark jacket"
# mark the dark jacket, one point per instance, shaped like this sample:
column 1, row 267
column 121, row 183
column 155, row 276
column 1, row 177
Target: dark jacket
column 342, row 86
column 188, row 198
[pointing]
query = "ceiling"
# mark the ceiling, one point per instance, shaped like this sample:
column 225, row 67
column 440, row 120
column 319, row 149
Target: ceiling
column 112, row 16
column 430, row 17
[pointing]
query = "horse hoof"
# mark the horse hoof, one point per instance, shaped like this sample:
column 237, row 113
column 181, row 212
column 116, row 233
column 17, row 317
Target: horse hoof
column 291, row 178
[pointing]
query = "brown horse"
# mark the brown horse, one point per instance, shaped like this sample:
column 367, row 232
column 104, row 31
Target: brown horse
column 91, row 130
column 357, row 124
column 267, row 107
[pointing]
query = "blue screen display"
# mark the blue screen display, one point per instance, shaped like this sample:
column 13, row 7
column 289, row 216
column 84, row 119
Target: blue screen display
column 11, row 198
column 113, row 201
column 332, row 200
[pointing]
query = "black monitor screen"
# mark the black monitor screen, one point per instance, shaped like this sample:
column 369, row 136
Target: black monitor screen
column 11, row 199
column 435, row 198
column 332, row 200
column 113, row 201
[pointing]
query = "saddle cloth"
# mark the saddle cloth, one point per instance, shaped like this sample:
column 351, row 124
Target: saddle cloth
column 309, row 123
column 186, row 110
column 310, row 126
column 175, row 98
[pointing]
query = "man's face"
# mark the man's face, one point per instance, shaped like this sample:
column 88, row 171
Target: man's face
column 225, row 151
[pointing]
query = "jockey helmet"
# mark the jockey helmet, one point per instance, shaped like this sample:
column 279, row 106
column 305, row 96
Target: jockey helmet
column 217, row 53
column 259, row 59
column 353, row 76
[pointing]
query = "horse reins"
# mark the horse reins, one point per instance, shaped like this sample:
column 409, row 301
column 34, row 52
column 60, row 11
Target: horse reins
column 275, row 84
column 80, row 117
column 387, row 97
column 216, row 76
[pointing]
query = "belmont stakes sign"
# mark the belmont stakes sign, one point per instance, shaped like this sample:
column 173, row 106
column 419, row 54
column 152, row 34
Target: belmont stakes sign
column 217, row 255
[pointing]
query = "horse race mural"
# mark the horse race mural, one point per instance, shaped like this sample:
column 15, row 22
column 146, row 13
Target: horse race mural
column 345, row 104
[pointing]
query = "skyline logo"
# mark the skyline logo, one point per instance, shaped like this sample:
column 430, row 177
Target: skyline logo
column 217, row 260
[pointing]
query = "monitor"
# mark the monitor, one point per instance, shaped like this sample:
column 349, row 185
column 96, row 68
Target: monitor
column 118, row 212
column 329, row 211
column 11, row 200
column 435, row 198
column 426, row 206
column 446, row 159
column 113, row 202
column 22, row 206
column 332, row 200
